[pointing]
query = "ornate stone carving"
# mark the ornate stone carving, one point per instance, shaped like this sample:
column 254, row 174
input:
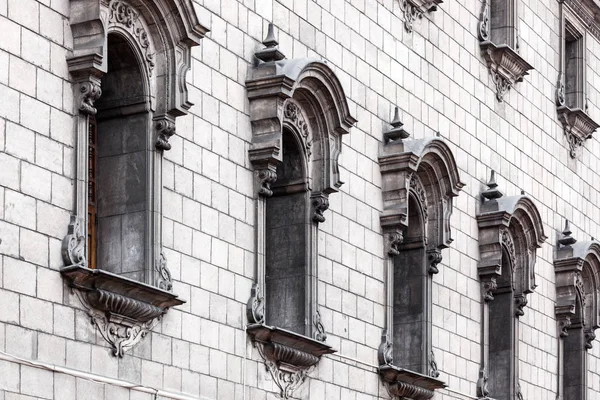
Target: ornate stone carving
column 123, row 14
column 417, row 188
column 121, row 336
column 405, row 384
column 397, row 132
column 560, row 90
column 509, row 245
column 482, row 384
column 265, row 178
column 73, row 244
column 433, row 371
column 89, row 92
column 293, row 115
column 320, row 333
column 519, row 393
column 434, row 257
column 484, row 23
column 385, row 353
column 164, row 130
column 563, row 326
column 506, row 66
column 520, row 303
column 320, row 204
column 487, row 289
column 394, row 240
column 578, row 127
column 589, row 336
column 413, row 10
column 123, row 310
column 255, row 308
column 288, row 356
column 163, row 279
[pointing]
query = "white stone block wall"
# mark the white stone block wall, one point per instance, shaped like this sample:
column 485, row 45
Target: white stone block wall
column 440, row 82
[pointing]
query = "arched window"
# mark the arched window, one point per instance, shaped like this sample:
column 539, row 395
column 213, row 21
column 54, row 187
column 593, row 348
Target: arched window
column 510, row 232
column 577, row 268
column 299, row 112
column 419, row 180
column 128, row 67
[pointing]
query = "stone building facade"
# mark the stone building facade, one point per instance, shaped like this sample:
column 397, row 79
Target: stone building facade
column 304, row 199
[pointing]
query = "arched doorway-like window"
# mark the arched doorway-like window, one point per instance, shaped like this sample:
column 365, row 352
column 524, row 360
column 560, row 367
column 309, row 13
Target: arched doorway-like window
column 419, row 180
column 510, row 232
column 128, row 68
column 577, row 268
column 299, row 113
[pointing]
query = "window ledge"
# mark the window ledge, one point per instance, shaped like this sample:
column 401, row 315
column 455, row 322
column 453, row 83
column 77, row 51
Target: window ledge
column 506, row 66
column 289, row 356
column 403, row 383
column 578, row 126
column 124, row 310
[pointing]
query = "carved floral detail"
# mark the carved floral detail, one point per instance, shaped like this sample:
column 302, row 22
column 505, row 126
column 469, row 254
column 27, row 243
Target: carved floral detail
column 580, row 287
column 163, row 279
column 89, row 92
column 502, row 84
column 320, row 333
column 417, row 188
column 484, row 23
column 507, row 240
column 482, row 384
column 589, row 337
column 385, row 353
column 294, row 115
column 563, row 326
column 123, row 14
column 73, row 244
column 434, row 257
column 411, row 14
column 265, row 178
column 434, row 372
column 255, row 307
column 487, row 289
column 320, row 205
column 560, row 90
column 394, row 241
column 164, row 130
column 520, row 303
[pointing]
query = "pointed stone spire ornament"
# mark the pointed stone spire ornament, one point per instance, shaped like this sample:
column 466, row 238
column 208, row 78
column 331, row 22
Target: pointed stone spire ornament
column 567, row 239
column 397, row 131
column 271, row 51
column 492, row 191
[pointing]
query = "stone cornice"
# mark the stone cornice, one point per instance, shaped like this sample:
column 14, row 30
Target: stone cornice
column 589, row 12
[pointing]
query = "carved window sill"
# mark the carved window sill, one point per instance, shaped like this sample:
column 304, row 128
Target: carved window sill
column 124, row 310
column 506, row 66
column 404, row 384
column 289, row 356
column 578, row 126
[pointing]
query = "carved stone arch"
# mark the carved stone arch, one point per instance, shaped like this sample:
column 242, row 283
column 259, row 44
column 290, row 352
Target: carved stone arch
column 431, row 162
column 518, row 217
column 315, row 88
column 165, row 30
column 577, row 268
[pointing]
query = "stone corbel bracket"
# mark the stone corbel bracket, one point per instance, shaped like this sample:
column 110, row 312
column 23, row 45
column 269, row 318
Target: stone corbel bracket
column 506, row 66
column 122, row 309
column 404, row 384
column 288, row 356
column 415, row 9
column 578, row 127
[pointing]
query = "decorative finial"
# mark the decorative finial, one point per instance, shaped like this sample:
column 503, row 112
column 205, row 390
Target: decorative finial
column 492, row 191
column 567, row 239
column 271, row 51
column 438, row 134
column 270, row 40
column 522, row 192
column 397, row 131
